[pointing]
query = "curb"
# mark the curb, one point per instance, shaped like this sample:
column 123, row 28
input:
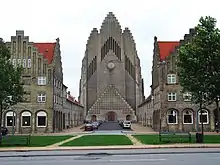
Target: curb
column 101, row 148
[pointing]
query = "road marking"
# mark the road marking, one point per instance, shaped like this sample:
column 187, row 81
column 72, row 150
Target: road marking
column 136, row 160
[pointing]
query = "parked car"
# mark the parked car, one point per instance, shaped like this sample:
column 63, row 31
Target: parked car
column 127, row 124
column 121, row 123
column 88, row 127
column 95, row 125
column 4, row 131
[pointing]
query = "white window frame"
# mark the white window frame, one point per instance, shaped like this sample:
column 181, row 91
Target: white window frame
column 10, row 113
column 41, row 98
column 171, row 79
column 27, row 114
column 29, row 63
column 174, row 113
column 14, row 62
column 42, row 114
column 205, row 112
column 171, row 95
column 42, row 80
column 19, row 62
column 190, row 113
column 187, row 96
column 24, row 63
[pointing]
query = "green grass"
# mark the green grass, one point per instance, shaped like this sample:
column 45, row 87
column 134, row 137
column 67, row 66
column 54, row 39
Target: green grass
column 35, row 141
column 99, row 140
column 154, row 139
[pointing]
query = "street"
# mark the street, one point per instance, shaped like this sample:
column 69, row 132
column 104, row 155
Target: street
column 110, row 126
column 199, row 156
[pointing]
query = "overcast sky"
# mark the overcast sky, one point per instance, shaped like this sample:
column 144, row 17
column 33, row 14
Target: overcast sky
column 73, row 20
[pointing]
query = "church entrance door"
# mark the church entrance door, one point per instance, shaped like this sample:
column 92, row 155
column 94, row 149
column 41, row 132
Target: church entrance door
column 111, row 116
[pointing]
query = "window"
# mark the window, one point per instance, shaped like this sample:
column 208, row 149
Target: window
column 10, row 119
column 41, row 119
column 41, row 81
column 19, row 62
column 187, row 96
column 26, row 119
column 29, row 63
column 171, row 79
column 203, row 117
column 41, row 98
column 171, row 96
column 187, row 117
column 14, row 62
column 172, row 117
column 24, row 63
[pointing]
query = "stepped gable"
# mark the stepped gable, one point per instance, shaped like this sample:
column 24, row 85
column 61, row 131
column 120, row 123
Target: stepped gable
column 108, row 19
column 110, row 99
column 94, row 30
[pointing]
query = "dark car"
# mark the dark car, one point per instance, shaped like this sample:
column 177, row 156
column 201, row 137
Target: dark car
column 4, row 131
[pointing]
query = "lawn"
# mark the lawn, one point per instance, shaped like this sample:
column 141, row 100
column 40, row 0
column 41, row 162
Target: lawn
column 99, row 140
column 35, row 141
column 154, row 139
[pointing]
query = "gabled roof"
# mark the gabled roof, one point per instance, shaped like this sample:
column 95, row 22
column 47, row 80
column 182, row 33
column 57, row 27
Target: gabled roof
column 47, row 49
column 166, row 47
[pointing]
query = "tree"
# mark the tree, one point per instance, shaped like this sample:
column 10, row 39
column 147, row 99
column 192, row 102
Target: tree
column 198, row 67
column 11, row 88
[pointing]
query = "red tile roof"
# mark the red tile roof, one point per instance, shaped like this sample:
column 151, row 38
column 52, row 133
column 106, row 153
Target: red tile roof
column 166, row 47
column 47, row 49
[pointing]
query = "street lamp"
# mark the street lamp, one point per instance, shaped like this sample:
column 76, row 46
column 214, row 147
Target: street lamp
column 13, row 116
column 218, row 114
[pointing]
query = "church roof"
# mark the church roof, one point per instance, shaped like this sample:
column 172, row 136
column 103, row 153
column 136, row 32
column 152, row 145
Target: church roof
column 47, row 49
column 166, row 47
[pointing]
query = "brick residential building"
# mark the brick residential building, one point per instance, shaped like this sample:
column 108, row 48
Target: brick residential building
column 172, row 110
column 42, row 108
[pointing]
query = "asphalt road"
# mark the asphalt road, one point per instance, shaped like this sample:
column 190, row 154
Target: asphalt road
column 115, row 157
column 110, row 126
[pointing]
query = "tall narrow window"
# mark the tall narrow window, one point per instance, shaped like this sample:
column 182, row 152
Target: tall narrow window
column 24, row 47
column 34, row 58
column 29, row 63
column 24, row 63
column 49, row 76
column 14, row 62
column 29, row 51
column 19, row 62
column 39, row 66
column 14, row 46
column 19, row 44
column 44, row 69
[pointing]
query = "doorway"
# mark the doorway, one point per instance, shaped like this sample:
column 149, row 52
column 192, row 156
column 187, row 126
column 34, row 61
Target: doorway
column 111, row 116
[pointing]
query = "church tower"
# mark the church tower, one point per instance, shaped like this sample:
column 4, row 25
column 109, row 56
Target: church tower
column 111, row 82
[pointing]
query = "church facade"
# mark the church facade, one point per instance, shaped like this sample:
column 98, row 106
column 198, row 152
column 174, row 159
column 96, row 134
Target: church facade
column 111, row 85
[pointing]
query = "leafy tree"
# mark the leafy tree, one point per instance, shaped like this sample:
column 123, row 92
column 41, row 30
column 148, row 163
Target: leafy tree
column 198, row 59
column 11, row 89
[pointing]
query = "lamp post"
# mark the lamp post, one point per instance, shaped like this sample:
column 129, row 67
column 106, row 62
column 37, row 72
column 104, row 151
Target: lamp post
column 13, row 116
column 218, row 114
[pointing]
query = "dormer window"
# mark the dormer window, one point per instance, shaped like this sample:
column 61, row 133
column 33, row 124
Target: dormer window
column 171, row 79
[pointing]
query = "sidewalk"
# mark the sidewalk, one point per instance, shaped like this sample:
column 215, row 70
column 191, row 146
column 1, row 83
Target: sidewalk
column 20, row 149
